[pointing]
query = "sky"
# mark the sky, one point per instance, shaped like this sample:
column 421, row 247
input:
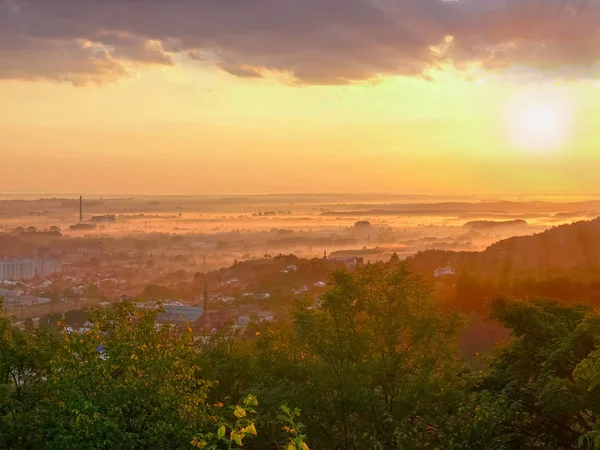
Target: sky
column 268, row 96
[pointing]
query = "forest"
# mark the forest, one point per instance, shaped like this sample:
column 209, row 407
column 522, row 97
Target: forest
column 377, row 366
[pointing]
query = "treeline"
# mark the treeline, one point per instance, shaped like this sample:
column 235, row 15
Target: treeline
column 470, row 292
column 377, row 366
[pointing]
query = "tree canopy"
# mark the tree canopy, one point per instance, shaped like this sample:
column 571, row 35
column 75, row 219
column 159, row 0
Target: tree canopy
column 374, row 364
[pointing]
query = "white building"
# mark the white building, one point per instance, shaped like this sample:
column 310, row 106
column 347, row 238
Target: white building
column 27, row 268
column 443, row 271
column 266, row 316
column 301, row 290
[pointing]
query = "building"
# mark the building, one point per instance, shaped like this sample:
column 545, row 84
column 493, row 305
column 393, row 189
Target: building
column 45, row 267
column 16, row 269
column 27, row 268
column 350, row 263
column 443, row 271
column 179, row 315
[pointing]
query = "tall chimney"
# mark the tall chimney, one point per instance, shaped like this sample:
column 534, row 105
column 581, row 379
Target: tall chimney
column 81, row 208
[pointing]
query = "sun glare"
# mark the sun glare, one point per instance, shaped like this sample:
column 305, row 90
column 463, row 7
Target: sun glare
column 539, row 120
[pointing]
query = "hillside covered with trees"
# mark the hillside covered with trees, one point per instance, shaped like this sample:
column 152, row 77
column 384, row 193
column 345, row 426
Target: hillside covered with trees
column 567, row 249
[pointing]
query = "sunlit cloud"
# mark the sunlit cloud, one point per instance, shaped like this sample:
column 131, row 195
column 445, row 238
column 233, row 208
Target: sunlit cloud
column 313, row 41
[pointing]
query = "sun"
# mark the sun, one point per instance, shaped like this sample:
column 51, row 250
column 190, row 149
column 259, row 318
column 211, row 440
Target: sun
column 539, row 120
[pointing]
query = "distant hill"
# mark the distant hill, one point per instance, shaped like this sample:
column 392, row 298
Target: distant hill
column 490, row 225
column 464, row 209
column 559, row 250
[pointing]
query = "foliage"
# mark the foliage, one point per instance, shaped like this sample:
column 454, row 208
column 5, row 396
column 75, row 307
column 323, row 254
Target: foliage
column 125, row 383
column 379, row 340
column 376, row 359
column 588, row 373
column 24, row 366
column 540, row 391
column 297, row 440
column 375, row 366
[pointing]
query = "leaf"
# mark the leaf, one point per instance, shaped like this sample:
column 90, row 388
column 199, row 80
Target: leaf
column 198, row 444
column 239, row 412
column 251, row 429
column 221, row 432
column 251, row 401
column 303, row 446
column 236, row 437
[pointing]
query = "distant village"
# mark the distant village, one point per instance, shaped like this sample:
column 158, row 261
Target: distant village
column 230, row 276
column 249, row 291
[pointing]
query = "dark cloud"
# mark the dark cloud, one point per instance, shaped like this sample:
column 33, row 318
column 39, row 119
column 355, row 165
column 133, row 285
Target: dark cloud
column 311, row 41
column 78, row 62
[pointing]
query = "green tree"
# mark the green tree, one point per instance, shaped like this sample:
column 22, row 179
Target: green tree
column 24, row 366
column 540, row 391
column 375, row 367
column 588, row 373
column 130, row 384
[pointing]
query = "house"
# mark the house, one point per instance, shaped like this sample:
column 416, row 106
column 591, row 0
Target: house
column 301, row 290
column 443, row 271
column 179, row 315
column 88, row 326
column 242, row 323
column 266, row 316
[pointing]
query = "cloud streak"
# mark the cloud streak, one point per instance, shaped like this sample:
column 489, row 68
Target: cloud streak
column 311, row 41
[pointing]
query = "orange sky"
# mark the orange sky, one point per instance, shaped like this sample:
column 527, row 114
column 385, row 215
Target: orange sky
column 190, row 126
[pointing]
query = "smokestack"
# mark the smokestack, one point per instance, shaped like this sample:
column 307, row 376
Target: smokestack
column 81, row 208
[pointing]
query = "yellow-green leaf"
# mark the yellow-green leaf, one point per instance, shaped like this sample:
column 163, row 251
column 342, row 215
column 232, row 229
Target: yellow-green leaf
column 198, row 444
column 239, row 412
column 236, row 437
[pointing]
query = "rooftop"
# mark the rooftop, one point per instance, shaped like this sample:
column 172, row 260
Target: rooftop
column 180, row 313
